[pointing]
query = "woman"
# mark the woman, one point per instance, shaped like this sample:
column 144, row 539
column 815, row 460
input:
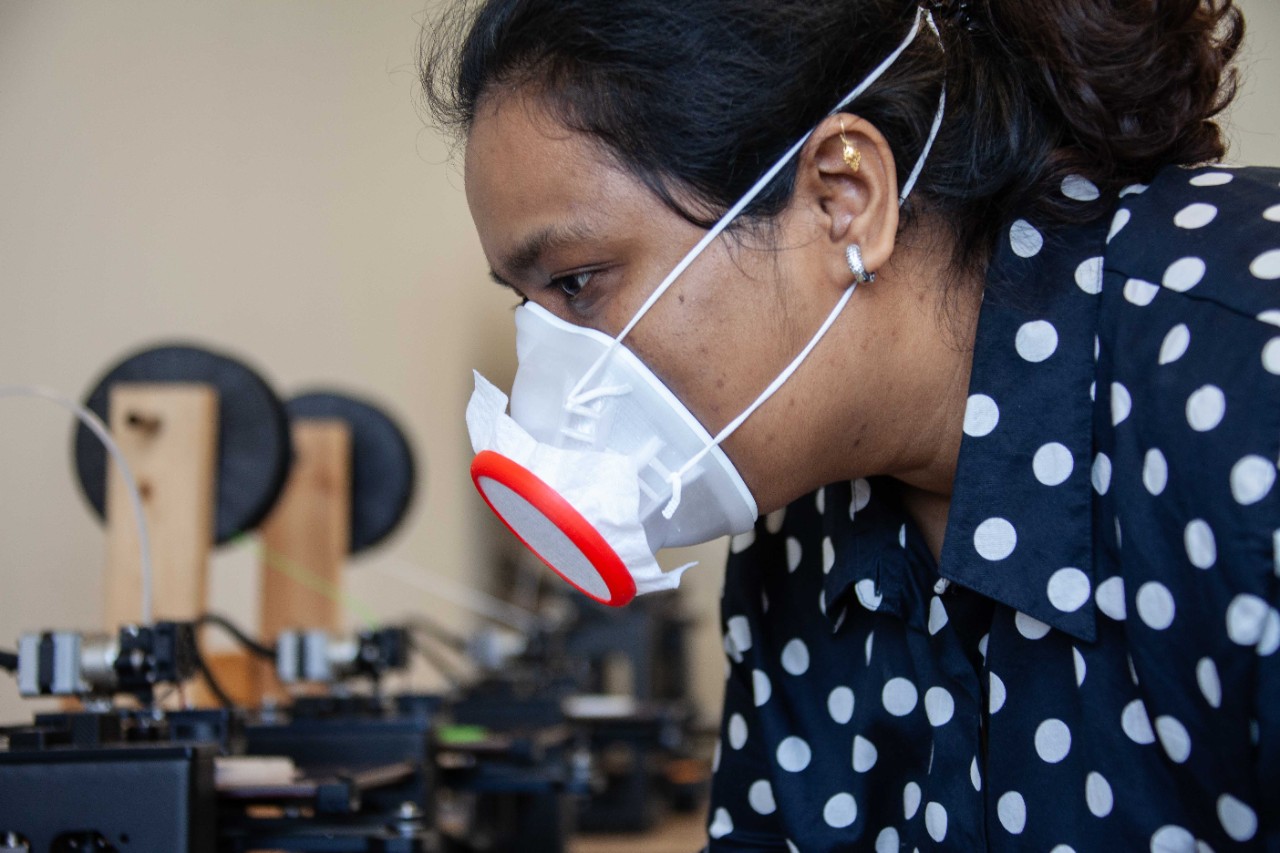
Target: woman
column 1014, row 581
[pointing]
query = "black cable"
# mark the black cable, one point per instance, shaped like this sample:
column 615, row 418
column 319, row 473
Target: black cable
column 267, row 652
column 8, row 660
column 214, row 687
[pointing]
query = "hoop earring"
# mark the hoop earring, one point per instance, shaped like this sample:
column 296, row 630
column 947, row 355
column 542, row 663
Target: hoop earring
column 853, row 255
column 852, row 156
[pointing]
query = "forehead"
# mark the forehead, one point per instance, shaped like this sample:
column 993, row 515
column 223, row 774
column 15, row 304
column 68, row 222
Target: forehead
column 524, row 170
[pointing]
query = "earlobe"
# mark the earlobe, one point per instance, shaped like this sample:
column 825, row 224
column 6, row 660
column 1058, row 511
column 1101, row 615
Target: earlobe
column 847, row 171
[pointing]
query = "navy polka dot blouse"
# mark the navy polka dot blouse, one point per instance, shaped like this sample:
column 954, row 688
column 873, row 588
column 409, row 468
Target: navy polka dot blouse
column 1092, row 664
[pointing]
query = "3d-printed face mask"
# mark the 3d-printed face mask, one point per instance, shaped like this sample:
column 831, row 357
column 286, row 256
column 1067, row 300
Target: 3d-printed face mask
column 599, row 465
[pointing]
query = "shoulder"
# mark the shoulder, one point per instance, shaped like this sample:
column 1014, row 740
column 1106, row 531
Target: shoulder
column 1210, row 233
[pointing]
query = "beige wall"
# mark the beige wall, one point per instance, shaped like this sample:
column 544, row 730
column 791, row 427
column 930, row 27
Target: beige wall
column 254, row 175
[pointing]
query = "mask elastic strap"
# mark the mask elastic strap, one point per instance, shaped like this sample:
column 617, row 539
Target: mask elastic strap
column 676, row 478
column 756, row 189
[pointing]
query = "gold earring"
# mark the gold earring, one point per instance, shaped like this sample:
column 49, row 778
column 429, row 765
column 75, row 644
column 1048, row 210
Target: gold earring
column 852, row 156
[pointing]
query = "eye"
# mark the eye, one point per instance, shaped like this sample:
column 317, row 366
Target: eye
column 572, row 285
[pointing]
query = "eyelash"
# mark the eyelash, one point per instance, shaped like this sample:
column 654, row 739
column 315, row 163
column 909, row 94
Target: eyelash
column 571, row 280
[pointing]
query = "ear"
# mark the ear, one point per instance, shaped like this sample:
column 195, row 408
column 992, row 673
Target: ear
column 850, row 206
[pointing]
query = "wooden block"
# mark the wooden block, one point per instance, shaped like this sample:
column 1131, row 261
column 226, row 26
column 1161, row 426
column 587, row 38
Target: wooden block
column 306, row 538
column 169, row 434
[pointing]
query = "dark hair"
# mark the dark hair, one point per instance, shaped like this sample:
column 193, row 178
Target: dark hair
column 697, row 98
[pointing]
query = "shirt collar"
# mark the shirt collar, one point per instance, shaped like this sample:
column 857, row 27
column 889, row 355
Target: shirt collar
column 1020, row 527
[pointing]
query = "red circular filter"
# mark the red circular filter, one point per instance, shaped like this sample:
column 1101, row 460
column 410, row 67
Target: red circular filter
column 550, row 527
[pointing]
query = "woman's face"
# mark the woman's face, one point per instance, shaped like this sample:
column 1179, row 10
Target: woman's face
column 567, row 228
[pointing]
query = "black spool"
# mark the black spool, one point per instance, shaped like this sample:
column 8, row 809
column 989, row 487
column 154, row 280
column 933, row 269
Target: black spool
column 383, row 471
column 254, row 450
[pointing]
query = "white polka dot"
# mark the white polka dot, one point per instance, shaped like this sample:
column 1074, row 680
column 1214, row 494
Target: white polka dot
column 1118, row 222
column 1239, row 821
column 864, row 754
column 793, row 553
column 761, row 687
column 737, row 731
column 1173, row 839
column 1210, row 683
column 899, row 696
column 937, row 615
column 1110, row 598
column 861, row 497
column 982, row 645
column 1271, row 356
column 871, row 638
column 887, row 841
column 935, row 821
column 995, row 539
column 828, row 555
column 1079, row 188
column 1036, row 340
column 795, row 657
column 1155, row 605
column 1025, row 239
column 1155, row 471
column 975, row 776
column 740, row 633
column 742, row 541
column 1183, row 274
column 1097, row 793
column 840, row 705
column 773, row 521
column 1175, row 344
column 902, row 536
column 1078, row 659
column 1139, row 292
column 1089, row 275
column 939, row 706
column 910, row 800
column 1068, row 589
column 1211, row 179
column 1121, row 403
column 794, row 754
column 760, row 797
column 1052, row 464
column 1206, row 407
column 1270, row 640
column 1246, row 619
column 721, row 825
column 1101, row 475
column 820, row 500
column 1012, row 810
column 1202, row 550
column 791, row 848
column 1195, row 215
column 1053, row 741
column 840, row 811
column 1271, row 315
column 1266, row 266
column 867, row 594
column 1133, row 189
column 1136, row 723
column 1174, row 738
column 1030, row 627
column 996, row 694
column 981, row 415
column 1272, row 213
column 1251, row 479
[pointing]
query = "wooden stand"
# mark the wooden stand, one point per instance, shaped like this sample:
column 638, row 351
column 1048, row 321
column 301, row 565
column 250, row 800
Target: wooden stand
column 307, row 537
column 169, row 434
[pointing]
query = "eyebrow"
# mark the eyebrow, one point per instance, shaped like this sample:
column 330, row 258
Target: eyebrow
column 530, row 250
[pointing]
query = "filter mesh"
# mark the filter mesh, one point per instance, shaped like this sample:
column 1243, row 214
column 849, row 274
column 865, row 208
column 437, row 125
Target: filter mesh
column 547, row 540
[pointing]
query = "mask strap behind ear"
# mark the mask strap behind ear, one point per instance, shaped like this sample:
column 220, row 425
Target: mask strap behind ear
column 757, row 188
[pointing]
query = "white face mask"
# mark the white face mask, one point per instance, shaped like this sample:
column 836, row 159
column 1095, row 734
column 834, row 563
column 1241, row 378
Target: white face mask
column 599, row 465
